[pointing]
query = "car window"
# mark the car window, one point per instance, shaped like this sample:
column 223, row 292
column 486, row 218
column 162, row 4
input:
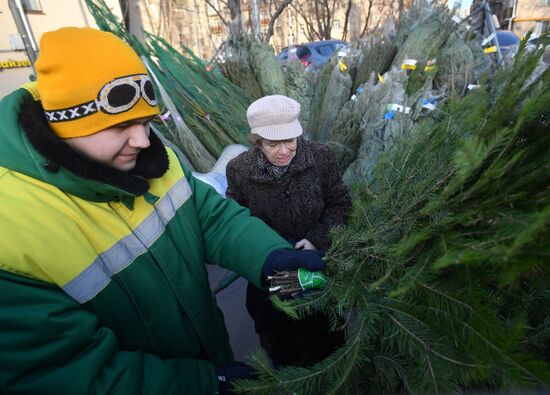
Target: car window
column 283, row 55
column 325, row 50
column 302, row 52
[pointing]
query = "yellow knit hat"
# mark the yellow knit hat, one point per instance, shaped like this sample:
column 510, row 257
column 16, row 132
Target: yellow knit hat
column 90, row 80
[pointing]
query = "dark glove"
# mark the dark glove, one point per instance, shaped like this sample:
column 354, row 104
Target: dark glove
column 232, row 371
column 281, row 260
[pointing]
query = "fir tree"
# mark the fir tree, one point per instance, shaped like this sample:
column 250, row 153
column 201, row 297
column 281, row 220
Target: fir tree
column 441, row 277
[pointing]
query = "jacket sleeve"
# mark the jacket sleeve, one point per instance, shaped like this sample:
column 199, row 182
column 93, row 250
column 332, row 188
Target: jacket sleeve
column 49, row 344
column 337, row 201
column 232, row 237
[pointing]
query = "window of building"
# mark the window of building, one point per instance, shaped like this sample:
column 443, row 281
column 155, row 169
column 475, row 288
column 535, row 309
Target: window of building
column 336, row 24
column 215, row 24
column 31, row 5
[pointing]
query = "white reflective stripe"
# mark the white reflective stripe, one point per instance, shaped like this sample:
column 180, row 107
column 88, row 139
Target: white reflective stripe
column 98, row 274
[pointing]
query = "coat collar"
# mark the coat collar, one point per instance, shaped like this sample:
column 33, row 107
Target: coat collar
column 303, row 160
column 94, row 180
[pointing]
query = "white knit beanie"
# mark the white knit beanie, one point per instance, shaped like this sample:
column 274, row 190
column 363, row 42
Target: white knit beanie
column 274, row 118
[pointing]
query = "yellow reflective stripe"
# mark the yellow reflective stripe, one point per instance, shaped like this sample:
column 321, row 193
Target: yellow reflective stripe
column 97, row 276
column 32, row 88
column 53, row 236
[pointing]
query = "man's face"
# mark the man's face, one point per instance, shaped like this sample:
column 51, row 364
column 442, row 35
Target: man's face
column 117, row 146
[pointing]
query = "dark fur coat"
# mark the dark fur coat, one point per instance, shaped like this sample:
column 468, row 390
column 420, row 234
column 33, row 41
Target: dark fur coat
column 306, row 202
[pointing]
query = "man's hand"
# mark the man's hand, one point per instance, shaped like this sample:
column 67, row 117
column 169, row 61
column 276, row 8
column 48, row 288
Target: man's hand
column 305, row 244
column 286, row 260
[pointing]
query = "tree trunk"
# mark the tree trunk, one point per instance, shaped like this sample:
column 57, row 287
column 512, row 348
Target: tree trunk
column 255, row 19
column 132, row 18
column 236, row 23
column 354, row 23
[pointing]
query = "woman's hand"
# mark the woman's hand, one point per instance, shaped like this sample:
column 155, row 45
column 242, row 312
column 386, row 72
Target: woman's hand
column 305, row 244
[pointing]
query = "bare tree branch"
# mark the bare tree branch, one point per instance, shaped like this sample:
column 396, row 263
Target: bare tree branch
column 274, row 17
column 367, row 19
column 311, row 33
column 346, row 20
column 318, row 19
column 217, row 12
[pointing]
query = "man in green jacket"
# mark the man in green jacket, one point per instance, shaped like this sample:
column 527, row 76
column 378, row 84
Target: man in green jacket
column 104, row 235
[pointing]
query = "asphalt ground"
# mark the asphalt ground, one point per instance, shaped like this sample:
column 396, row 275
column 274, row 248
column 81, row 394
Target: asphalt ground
column 231, row 301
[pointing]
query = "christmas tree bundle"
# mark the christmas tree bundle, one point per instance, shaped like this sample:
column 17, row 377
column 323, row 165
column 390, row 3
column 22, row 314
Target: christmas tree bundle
column 431, row 57
column 253, row 66
column 441, row 277
column 389, row 114
column 299, row 86
column 337, row 93
column 376, row 56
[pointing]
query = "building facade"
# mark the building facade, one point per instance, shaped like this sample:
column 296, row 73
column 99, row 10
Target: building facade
column 530, row 15
column 38, row 17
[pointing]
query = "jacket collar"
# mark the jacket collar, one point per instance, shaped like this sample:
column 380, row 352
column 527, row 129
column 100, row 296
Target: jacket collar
column 94, row 180
column 303, row 160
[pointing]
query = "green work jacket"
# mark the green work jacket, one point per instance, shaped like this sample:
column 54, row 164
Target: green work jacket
column 102, row 291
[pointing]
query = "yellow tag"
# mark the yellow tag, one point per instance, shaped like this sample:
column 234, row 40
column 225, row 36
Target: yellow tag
column 430, row 65
column 343, row 67
column 381, row 79
column 490, row 49
column 408, row 66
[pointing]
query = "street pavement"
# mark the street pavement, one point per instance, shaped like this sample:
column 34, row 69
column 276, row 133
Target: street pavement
column 231, row 301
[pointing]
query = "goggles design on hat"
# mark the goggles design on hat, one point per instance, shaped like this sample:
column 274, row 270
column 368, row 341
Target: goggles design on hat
column 115, row 97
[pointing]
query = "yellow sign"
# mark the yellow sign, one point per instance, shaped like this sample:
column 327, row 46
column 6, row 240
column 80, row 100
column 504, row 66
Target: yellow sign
column 343, row 66
column 12, row 64
column 492, row 49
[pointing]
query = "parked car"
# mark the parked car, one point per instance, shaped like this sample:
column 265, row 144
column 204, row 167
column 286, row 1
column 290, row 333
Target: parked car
column 314, row 53
column 508, row 42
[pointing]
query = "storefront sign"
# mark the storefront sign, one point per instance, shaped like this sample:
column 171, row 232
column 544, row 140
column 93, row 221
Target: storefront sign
column 12, row 64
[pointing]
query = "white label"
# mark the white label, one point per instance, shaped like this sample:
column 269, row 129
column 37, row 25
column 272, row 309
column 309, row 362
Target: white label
column 487, row 39
column 399, row 107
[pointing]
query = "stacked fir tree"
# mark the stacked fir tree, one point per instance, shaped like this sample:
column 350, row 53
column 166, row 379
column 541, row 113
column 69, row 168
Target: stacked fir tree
column 441, row 278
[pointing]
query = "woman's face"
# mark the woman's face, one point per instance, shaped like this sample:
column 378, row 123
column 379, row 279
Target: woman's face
column 280, row 152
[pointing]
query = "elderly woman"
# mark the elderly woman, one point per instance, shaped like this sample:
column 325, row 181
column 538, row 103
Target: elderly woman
column 295, row 187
